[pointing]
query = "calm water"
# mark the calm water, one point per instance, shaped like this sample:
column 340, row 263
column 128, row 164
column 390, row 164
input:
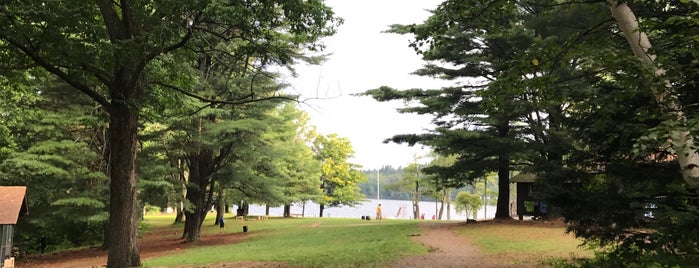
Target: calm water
column 394, row 209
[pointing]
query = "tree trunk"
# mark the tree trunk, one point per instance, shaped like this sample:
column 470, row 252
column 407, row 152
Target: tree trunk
column 180, row 217
column 449, row 205
column 104, row 139
column 267, row 210
column 441, row 207
column 122, row 240
column 220, row 205
column 199, row 181
column 416, row 201
column 246, row 209
column 502, row 210
column 195, row 218
column 192, row 225
column 666, row 97
column 105, row 238
column 322, row 207
column 180, row 205
column 287, row 211
column 200, row 186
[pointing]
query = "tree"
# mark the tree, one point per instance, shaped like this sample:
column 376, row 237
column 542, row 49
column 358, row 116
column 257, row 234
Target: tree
column 216, row 138
column 619, row 130
column 487, row 188
column 607, row 131
column 387, row 177
column 478, row 121
column 630, row 126
column 442, row 187
column 18, row 88
column 68, row 201
column 339, row 179
column 105, row 50
column 161, row 169
column 297, row 163
column 665, row 94
column 468, row 203
column 562, row 91
column 57, row 154
column 412, row 179
column 290, row 167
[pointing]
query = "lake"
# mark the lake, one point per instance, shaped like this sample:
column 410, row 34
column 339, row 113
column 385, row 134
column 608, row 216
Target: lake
column 392, row 209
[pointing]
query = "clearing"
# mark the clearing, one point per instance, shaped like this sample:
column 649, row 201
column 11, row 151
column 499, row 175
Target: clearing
column 446, row 249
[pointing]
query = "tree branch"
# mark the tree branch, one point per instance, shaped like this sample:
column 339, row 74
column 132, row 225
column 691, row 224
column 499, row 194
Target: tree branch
column 58, row 72
column 238, row 101
column 567, row 3
column 111, row 19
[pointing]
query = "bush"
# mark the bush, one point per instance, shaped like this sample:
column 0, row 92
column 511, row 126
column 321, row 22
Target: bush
column 640, row 217
column 150, row 209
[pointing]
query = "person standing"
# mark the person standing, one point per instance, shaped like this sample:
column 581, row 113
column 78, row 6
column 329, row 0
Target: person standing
column 378, row 213
column 221, row 225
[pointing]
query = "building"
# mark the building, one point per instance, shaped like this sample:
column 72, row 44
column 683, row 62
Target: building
column 527, row 205
column 13, row 203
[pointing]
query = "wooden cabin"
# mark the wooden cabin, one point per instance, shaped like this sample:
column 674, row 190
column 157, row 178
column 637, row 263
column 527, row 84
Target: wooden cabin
column 527, row 205
column 13, row 203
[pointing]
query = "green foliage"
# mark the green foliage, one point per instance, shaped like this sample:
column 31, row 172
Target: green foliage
column 619, row 185
column 281, row 169
column 629, row 257
column 563, row 95
column 160, row 168
column 410, row 175
column 506, row 115
column 623, row 160
column 340, row 179
column 389, row 178
column 56, row 153
column 414, row 182
column 133, row 55
column 298, row 163
column 487, row 187
column 66, row 203
column 151, row 209
column 467, row 203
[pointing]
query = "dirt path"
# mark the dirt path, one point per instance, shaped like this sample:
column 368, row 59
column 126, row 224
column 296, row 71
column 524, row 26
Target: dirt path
column 153, row 244
column 447, row 249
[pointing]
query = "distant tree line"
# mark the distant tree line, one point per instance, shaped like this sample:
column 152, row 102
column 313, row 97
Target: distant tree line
column 389, row 177
column 399, row 184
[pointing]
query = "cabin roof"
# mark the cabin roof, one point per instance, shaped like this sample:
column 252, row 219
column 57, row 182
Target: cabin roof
column 524, row 177
column 13, row 201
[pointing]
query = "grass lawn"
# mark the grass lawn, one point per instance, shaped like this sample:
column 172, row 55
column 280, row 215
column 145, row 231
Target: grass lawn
column 524, row 242
column 306, row 242
column 336, row 242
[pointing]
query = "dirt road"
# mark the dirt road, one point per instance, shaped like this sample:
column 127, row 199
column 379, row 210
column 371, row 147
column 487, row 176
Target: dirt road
column 447, row 249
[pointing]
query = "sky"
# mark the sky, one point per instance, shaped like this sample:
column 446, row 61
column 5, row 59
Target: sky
column 362, row 58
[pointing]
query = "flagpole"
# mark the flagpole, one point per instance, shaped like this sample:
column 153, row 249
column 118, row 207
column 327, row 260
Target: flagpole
column 378, row 187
